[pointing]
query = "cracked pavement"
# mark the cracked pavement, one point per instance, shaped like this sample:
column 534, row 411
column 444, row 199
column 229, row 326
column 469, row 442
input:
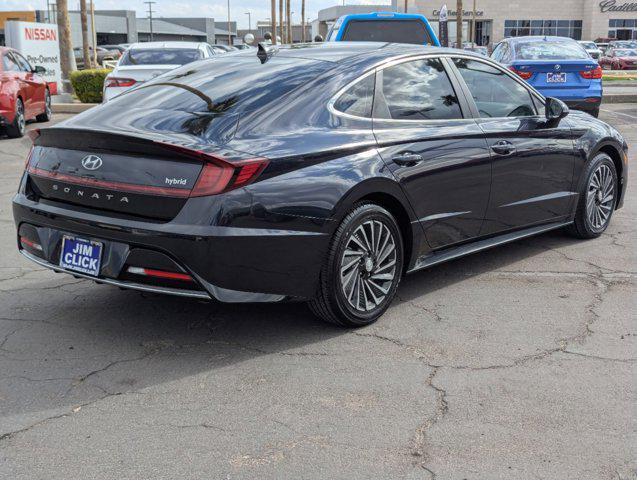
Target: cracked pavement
column 519, row 362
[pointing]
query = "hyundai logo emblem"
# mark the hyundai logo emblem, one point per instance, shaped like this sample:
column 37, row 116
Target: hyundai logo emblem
column 557, row 67
column 91, row 162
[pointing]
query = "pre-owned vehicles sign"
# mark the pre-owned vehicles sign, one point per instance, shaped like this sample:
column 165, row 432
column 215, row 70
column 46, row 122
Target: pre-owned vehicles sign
column 38, row 42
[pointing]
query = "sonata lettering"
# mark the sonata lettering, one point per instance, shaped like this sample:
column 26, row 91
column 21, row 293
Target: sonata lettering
column 97, row 196
column 612, row 6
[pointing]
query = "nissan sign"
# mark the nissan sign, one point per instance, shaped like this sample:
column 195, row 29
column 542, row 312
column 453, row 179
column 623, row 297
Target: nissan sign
column 38, row 42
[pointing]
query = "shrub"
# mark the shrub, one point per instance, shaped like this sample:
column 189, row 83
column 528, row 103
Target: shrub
column 88, row 84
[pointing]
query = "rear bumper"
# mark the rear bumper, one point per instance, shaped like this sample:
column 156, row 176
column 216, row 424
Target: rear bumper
column 111, row 92
column 578, row 98
column 228, row 264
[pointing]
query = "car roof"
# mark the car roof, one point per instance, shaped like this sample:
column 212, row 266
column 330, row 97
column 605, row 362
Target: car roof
column 343, row 51
column 383, row 16
column 143, row 45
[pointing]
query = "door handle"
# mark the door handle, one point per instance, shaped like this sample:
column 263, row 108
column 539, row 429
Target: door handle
column 503, row 147
column 407, row 159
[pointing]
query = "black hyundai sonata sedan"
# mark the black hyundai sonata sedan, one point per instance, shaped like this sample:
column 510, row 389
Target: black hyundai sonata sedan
column 315, row 172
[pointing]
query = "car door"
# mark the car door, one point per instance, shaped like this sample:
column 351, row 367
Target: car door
column 533, row 158
column 31, row 85
column 433, row 147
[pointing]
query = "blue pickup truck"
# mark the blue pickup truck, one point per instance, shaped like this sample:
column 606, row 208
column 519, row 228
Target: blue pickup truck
column 383, row 27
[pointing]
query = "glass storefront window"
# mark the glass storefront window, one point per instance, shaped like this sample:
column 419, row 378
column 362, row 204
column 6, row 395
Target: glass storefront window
column 562, row 28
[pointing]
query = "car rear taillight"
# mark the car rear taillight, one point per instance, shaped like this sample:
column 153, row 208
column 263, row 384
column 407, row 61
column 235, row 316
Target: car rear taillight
column 120, row 82
column 521, row 74
column 219, row 175
column 594, row 74
column 149, row 272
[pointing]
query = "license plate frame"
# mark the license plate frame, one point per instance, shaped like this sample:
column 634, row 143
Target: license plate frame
column 556, row 77
column 81, row 255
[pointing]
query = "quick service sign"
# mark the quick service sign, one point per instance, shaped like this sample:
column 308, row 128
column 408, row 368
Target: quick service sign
column 38, row 42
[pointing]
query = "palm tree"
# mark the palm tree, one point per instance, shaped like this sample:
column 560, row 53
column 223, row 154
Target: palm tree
column 281, row 22
column 67, row 59
column 84, row 20
column 273, row 18
column 288, row 22
column 303, row 21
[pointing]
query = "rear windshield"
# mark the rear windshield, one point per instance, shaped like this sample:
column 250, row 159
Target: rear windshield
column 224, row 84
column 550, row 50
column 160, row 56
column 399, row 31
column 625, row 53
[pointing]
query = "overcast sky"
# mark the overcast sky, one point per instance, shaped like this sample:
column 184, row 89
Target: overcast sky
column 218, row 9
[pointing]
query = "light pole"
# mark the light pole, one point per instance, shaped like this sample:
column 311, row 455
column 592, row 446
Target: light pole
column 150, row 17
column 229, row 35
column 249, row 21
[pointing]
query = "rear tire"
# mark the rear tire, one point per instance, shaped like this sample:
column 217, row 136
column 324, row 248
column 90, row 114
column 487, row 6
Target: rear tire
column 597, row 199
column 594, row 112
column 18, row 127
column 363, row 268
column 46, row 116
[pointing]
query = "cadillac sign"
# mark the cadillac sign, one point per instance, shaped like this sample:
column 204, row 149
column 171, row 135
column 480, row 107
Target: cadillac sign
column 613, row 6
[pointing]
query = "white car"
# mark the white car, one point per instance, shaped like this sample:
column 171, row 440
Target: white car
column 144, row 61
column 592, row 49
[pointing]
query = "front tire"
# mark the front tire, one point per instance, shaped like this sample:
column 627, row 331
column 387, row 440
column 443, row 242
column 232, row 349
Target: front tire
column 363, row 268
column 46, row 116
column 597, row 200
column 18, row 127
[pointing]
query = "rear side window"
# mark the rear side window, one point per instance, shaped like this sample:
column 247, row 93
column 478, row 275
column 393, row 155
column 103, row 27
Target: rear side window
column 357, row 100
column 495, row 93
column 223, row 85
column 163, row 56
column 398, row 31
column 416, row 90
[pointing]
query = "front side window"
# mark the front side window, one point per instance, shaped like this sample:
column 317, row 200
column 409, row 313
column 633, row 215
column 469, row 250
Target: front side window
column 8, row 64
column 22, row 62
column 357, row 100
column 416, row 90
column 496, row 94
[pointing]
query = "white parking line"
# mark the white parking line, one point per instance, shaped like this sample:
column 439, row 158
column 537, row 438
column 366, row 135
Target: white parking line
column 619, row 113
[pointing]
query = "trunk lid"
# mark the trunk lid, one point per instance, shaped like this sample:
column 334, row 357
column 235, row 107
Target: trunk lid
column 541, row 70
column 147, row 175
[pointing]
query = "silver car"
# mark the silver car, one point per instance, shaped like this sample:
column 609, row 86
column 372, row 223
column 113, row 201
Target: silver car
column 144, row 61
column 592, row 49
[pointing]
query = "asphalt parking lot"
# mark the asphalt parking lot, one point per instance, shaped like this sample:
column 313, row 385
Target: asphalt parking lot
column 515, row 363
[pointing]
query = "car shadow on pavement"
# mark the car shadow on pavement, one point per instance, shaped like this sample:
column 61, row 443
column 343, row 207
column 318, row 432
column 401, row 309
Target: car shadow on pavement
column 69, row 342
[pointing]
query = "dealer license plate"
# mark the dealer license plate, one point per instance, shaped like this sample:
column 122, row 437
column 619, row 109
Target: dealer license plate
column 81, row 255
column 553, row 77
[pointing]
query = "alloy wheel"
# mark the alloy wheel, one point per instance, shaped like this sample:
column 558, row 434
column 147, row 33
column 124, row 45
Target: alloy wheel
column 368, row 265
column 47, row 101
column 600, row 197
column 19, row 117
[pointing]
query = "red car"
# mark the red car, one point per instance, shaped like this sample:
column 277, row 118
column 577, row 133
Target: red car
column 619, row 59
column 24, row 94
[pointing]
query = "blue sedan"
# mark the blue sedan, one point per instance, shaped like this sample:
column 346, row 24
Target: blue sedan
column 557, row 67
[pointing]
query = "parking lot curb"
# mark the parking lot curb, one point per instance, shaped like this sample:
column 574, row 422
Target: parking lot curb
column 71, row 107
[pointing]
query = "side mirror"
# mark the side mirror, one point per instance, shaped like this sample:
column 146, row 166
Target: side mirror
column 555, row 109
column 39, row 70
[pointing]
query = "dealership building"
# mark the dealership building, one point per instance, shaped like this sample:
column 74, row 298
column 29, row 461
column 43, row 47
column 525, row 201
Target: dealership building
column 497, row 19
